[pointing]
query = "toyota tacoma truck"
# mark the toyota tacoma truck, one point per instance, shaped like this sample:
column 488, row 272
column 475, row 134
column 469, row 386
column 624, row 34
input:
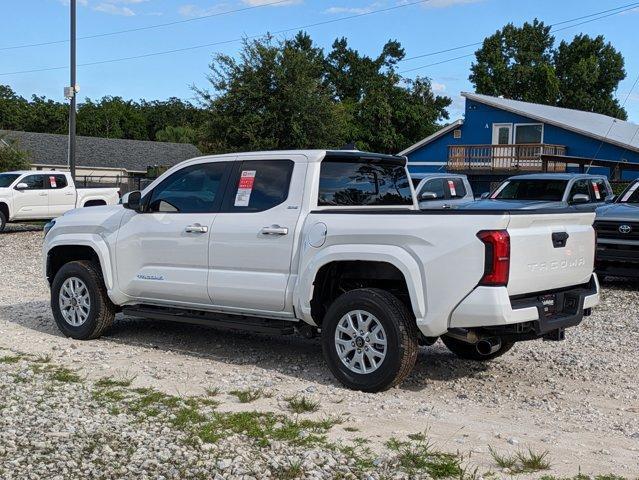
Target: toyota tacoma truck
column 323, row 242
column 617, row 227
column 38, row 195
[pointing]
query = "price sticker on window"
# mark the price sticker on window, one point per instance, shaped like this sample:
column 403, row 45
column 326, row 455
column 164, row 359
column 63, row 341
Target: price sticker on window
column 52, row 182
column 245, row 188
column 595, row 187
column 451, row 187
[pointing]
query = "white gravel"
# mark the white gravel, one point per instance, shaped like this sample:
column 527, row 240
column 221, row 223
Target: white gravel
column 578, row 399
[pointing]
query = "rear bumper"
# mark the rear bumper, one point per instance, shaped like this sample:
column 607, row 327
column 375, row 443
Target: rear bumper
column 491, row 308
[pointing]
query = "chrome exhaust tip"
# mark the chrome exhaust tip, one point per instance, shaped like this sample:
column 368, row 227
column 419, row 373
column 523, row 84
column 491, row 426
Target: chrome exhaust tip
column 488, row 346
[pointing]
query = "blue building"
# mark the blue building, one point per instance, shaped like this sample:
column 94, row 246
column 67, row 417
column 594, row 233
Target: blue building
column 499, row 137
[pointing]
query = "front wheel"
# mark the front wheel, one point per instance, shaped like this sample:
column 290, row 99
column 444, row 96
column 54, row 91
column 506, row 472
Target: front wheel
column 3, row 221
column 369, row 339
column 80, row 305
column 469, row 351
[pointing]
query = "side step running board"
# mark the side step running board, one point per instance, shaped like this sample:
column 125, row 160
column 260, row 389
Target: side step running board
column 212, row 319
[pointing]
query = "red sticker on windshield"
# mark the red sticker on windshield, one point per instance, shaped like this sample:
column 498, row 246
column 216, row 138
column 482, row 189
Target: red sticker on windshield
column 52, row 182
column 451, row 186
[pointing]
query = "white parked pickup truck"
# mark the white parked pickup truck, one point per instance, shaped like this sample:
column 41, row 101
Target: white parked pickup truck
column 40, row 195
column 328, row 242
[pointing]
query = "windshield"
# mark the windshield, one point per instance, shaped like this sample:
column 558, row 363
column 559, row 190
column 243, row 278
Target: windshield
column 529, row 189
column 631, row 195
column 7, row 179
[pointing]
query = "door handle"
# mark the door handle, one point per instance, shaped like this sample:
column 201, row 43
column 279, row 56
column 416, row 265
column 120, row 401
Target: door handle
column 445, row 205
column 274, row 230
column 43, row 194
column 196, row 228
column 69, row 193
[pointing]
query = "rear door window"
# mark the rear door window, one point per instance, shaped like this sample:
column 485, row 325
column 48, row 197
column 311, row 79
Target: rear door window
column 56, row 182
column 258, row 185
column 363, row 183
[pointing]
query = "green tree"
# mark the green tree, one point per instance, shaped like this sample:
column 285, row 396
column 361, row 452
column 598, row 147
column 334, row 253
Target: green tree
column 11, row 157
column 12, row 109
column 112, row 117
column 517, row 62
column 589, row 71
column 177, row 135
column 385, row 112
column 272, row 97
column 173, row 112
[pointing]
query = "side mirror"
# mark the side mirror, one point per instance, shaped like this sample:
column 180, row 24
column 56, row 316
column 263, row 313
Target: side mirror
column 580, row 198
column 22, row 186
column 132, row 201
column 485, row 195
column 428, row 196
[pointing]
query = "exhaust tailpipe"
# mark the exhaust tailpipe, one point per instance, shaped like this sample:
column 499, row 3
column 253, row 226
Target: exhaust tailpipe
column 488, row 346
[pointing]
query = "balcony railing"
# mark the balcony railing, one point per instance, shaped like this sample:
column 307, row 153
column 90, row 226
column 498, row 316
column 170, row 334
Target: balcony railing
column 518, row 157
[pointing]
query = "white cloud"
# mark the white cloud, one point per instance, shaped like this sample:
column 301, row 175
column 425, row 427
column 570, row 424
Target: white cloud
column 438, row 87
column 113, row 9
column 353, row 10
column 193, row 11
column 379, row 5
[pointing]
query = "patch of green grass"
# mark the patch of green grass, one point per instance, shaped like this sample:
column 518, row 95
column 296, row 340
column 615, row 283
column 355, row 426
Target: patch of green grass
column 250, row 394
column 187, row 416
column 108, row 396
column 290, row 472
column 108, row 382
column 212, row 392
column 418, row 456
column 521, row 462
column 302, row 405
column 9, row 359
column 149, row 397
column 351, row 429
column 65, row 375
column 44, row 358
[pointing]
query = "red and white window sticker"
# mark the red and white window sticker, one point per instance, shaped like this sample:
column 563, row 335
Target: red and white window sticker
column 595, row 187
column 52, row 182
column 245, row 188
column 451, row 187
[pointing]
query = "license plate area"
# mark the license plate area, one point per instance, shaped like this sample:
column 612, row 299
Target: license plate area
column 549, row 304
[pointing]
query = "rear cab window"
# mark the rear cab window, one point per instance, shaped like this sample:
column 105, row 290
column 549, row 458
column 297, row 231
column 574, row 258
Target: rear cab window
column 355, row 182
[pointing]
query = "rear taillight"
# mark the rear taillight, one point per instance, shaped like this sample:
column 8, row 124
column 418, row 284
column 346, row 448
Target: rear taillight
column 497, row 257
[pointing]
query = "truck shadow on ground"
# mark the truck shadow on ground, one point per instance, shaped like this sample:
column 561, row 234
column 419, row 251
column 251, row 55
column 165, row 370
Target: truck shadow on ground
column 290, row 355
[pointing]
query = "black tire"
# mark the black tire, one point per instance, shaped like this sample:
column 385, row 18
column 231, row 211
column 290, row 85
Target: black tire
column 3, row 221
column 469, row 352
column 401, row 335
column 101, row 312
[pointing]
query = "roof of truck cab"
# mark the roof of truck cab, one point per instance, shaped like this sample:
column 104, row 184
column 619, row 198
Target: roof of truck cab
column 311, row 155
column 35, row 172
column 553, row 176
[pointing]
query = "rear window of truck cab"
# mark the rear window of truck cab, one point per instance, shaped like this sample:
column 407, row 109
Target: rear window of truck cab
column 531, row 189
column 363, row 182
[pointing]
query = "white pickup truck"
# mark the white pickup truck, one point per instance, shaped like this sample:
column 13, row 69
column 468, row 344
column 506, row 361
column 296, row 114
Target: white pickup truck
column 329, row 242
column 40, row 195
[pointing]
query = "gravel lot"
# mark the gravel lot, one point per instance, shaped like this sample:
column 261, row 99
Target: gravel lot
column 578, row 400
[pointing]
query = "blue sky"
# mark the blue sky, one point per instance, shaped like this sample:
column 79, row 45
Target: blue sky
column 431, row 26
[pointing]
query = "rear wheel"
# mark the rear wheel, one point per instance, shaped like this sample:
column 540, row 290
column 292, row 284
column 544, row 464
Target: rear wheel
column 470, row 352
column 80, row 305
column 369, row 339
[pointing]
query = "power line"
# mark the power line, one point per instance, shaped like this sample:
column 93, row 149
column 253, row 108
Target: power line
column 619, row 10
column 629, row 6
column 148, row 27
column 205, row 45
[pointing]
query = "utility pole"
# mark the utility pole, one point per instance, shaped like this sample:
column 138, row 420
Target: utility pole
column 72, row 91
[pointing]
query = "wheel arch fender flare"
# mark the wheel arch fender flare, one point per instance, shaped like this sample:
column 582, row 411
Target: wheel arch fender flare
column 394, row 255
column 93, row 241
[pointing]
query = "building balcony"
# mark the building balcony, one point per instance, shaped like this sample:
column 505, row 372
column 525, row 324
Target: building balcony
column 504, row 158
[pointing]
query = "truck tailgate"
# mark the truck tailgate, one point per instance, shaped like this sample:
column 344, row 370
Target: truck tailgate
column 550, row 251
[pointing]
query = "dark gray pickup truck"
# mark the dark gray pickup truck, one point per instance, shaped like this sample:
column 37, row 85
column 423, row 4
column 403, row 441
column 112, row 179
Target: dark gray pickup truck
column 617, row 227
